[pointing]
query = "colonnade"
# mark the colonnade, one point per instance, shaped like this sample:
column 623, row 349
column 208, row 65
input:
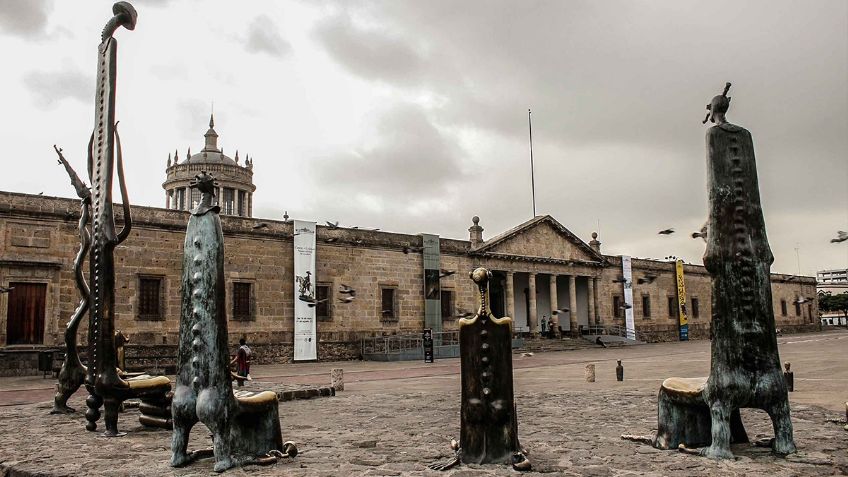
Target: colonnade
column 533, row 316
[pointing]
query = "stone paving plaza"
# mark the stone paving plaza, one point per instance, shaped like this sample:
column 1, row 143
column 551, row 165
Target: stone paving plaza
column 393, row 418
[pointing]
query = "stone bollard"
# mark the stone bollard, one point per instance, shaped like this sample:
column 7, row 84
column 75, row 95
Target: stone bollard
column 590, row 373
column 337, row 379
column 619, row 372
column 789, row 377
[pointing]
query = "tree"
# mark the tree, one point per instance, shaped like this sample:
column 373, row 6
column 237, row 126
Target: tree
column 831, row 302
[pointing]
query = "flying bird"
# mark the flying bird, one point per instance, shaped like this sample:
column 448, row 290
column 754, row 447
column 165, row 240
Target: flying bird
column 6, row 289
column 346, row 290
column 331, row 239
column 666, row 232
column 347, row 299
column 358, row 241
column 446, row 273
column 620, row 279
column 464, row 315
column 331, row 225
column 841, row 236
column 410, row 249
column 560, row 310
column 260, row 225
column 802, row 299
column 646, row 279
column 626, row 306
column 312, row 304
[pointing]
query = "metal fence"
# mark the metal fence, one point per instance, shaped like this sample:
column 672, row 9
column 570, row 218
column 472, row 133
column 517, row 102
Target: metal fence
column 400, row 344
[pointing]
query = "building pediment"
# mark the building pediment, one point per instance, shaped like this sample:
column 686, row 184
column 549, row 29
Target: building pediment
column 541, row 238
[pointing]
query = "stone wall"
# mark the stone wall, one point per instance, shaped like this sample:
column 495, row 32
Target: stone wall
column 40, row 239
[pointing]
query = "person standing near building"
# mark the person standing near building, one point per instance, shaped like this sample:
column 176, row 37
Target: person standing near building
column 242, row 362
column 544, row 326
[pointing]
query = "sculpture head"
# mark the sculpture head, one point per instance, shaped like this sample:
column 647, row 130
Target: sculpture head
column 718, row 107
column 481, row 277
column 204, row 182
column 124, row 15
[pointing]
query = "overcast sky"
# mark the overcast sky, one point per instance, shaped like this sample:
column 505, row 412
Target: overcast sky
column 412, row 116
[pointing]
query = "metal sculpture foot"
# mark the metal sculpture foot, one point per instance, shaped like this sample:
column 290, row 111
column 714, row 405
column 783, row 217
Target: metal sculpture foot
column 62, row 410
column 186, row 459
column 645, row 439
column 715, row 452
column 520, row 462
column 444, row 464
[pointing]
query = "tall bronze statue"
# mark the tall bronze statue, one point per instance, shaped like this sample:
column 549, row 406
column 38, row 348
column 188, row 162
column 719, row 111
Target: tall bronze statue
column 245, row 429
column 104, row 384
column 745, row 365
column 488, row 418
column 73, row 372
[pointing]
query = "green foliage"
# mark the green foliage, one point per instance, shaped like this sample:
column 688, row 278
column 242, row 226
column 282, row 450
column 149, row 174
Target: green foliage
column 831, row 302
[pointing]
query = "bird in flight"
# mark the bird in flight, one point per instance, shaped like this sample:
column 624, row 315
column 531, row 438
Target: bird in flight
column 410, row 249
column 347, row 299
column 260, row 225
column 560, row 310
column 620, row 279
column 626, row 306
column 446, row 273
column 346, row 290
column 841, row 236
column 666, row 232
column 646, row 279
column 332, row 225
column 312, row 304
column 702, row 233
column 6, row 289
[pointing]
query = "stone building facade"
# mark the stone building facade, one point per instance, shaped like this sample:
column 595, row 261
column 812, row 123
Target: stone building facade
column 538, row 266
column 234, row 181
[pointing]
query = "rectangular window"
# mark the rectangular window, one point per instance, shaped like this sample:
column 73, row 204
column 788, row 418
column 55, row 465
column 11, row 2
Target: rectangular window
column 388, row 304
column 646, row 306
column 241, row 203
column 783, row 307
column 195, row 197
column 616, row 307
column 323, row 309
column 150, row 298
column 228, row 205
column 447, row 304
column 242, row 309
column 672, row 307
column 797, row 308
column 696, row 312
column 179, row 200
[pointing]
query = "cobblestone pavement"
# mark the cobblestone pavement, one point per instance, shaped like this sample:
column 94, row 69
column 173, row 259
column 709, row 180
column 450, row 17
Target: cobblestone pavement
column 388, row 424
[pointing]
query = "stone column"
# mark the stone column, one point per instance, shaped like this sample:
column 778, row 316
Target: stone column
column 510, row 296
column 572, row 304
column 590, row 299
column 594, row 297
column 554, row 306
column 167, row 199
column 533, row 319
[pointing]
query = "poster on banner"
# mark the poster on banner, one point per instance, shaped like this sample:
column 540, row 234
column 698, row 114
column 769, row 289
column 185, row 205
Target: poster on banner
column 305, row 336
column 627, row 273
column 681, row 302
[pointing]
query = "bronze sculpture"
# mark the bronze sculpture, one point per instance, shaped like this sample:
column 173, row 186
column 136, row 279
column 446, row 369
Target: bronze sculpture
column 488, row 417
column 103, row 381
column 73, row 372
column 245, row 429
column 745, row 365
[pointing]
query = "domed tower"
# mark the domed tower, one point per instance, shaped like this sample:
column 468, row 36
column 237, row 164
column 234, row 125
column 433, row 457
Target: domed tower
column 234, row 191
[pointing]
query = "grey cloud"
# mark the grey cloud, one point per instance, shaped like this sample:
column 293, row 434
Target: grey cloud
column 25, row 18
column 264, row 37
column 376, row 54
column 50, row 87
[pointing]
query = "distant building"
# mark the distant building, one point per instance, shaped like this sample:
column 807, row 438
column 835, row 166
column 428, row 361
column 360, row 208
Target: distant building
column 835, row 282
column 235, row 181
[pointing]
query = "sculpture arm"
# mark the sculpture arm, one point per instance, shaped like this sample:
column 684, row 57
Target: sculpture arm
column 82, row 190
column 125, row 201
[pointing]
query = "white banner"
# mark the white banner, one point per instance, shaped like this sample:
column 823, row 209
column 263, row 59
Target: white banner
column 305, row 337
column 627, row 274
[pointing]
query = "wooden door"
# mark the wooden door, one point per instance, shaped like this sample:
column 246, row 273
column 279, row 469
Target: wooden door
column 25, row 317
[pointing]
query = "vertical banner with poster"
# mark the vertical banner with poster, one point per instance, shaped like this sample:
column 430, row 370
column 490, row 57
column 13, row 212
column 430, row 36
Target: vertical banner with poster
column 627, row 273
column 681, row 302
column 432, row 288
column 305, row 336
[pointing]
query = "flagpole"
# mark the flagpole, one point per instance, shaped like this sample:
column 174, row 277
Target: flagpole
column 532, row 173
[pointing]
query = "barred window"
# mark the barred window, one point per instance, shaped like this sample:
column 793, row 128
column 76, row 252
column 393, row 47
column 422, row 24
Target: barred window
column 696, row 312
column 323, row 309
column 447, row 304
column 797, row 308
column 149, row 298
column 616, row 306
column 179, row 199
column 672, row 307
column 783, row 307
column 646, row 306
column 227, row 205
column 242, row 301
column 195, row 197
column 388, row 304
column 242, row 203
